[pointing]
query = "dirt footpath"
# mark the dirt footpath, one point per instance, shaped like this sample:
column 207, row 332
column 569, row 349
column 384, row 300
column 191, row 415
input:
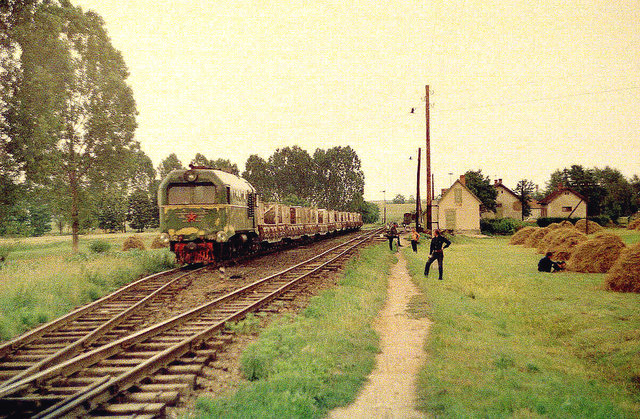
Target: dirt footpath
column 390, row 391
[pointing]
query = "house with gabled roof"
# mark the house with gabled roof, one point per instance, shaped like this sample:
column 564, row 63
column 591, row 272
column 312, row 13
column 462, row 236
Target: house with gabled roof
column 508, row 205
column 564, row 202
column 458, row 209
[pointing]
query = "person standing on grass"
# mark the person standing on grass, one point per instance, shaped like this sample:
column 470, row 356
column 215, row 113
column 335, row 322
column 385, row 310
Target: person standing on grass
column 437, row 252
column 392, row 233
column 415, row 239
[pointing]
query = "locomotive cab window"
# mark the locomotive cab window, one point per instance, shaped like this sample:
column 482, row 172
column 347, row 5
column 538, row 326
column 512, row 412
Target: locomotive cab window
column 191, row 193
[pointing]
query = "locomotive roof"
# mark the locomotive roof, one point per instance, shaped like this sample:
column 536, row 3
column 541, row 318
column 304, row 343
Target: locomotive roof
column 233, row 181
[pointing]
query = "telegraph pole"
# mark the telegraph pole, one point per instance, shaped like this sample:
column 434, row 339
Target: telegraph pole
column 428, row 157
column 418, row 193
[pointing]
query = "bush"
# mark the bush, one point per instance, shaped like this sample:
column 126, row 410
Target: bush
column 99, row 246
column 501, row 226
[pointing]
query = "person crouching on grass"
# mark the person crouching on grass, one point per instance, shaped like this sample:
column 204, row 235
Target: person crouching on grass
column 547, row 265
column 436, row 250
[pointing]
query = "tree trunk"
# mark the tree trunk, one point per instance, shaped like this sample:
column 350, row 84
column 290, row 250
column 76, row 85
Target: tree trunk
column 75, row 219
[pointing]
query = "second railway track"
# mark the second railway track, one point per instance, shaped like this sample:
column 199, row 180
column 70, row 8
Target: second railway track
column 139, row 374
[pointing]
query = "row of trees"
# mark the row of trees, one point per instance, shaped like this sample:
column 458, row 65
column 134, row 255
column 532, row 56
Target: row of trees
column 331, row 178
column 607, row 190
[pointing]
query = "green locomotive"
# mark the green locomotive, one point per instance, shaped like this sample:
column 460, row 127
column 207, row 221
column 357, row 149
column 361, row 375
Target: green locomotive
column 207, row 214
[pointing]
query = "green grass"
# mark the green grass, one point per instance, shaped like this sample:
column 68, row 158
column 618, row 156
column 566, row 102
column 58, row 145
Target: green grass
column 303, row 366
column 508, row 341
column 42, row 280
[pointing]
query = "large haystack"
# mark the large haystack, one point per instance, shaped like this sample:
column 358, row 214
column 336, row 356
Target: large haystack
column 521, row 235
column 544, row 241
column 535, row 237
column 133, row 242
column 158, row 243
column 593, row 226
column 561, row 242
column 554, row 226
column 597, row 254
column 566, row 223
column 634, row 224
column 625, row 273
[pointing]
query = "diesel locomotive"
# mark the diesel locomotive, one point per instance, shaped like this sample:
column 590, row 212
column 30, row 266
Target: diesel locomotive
column 208, row 214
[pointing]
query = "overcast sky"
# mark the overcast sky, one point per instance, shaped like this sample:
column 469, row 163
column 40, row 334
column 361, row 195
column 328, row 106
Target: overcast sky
column 520, row 88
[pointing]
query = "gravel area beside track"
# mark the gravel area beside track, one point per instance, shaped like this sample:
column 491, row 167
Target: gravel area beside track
column 223, row 375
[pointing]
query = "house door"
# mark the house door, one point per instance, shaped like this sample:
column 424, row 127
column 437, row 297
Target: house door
column 450, row 218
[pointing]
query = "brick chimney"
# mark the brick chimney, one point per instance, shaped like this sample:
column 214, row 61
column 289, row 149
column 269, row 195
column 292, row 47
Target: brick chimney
column 463, row 180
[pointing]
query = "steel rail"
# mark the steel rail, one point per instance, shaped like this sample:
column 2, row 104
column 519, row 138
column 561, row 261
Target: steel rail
column 84, row 342
column 89, row 398
column 73, row 333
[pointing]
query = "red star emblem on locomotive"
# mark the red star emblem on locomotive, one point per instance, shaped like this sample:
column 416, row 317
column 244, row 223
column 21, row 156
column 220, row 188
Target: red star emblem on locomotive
column 192, row 217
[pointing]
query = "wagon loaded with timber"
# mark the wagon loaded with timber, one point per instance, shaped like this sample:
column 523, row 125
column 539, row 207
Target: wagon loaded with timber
column 208, row 214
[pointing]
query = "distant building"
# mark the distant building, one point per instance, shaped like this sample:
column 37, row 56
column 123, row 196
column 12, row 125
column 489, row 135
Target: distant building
column 508, row 205
column 458, row 209
column 564, row 202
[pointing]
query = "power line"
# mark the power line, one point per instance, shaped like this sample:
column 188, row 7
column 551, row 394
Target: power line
column 543, row 99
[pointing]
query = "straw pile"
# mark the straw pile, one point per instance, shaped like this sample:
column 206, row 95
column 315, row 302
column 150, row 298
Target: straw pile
column 133, row 242
column 566, row 223
column 597, row 254
column 561, row 242
column 158, row 244
column 593, row 226
column 634, row 224
column 521, row 235
column 625, row 273
column 535, row 237
column 554, row 226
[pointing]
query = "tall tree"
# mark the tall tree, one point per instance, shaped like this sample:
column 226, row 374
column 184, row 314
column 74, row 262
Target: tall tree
column 171, row 162
column 482, row 188
column 619, row 198
column 219, row 164
column 258, row 173
column 72, row 112
column 524, row 191
column 339, row 179
column 290, row 167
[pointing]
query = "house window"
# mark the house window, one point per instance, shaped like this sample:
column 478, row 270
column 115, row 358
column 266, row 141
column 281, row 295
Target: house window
column 566, row 209
column 458, row 196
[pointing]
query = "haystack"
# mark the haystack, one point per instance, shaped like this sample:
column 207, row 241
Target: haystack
column 634, row 224
column 553, row 226
column 157, row 243
column 521, row 235
column 597, row 254
column 561, row 242
column 133, row 242
column 593, row 226
column 566, row 223
column 535, row 237
column 624, row 275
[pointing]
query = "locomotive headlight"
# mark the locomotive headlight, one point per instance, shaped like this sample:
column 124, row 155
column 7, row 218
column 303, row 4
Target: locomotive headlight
column 190, row 175
column 164, row 237
column 221, row 236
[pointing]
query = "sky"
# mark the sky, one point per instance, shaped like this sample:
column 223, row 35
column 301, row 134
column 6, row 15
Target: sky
column 518, row 88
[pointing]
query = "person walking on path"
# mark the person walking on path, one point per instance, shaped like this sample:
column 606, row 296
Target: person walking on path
column 437, row 253
column 415, row 239
column 392, row 233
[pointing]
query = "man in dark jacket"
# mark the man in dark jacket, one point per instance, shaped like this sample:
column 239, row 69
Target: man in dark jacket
column 547, row 265
column 437, row 252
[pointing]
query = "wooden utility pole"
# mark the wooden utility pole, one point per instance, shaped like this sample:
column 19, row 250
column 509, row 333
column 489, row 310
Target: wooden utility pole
column 418, row 228
column 428, row 157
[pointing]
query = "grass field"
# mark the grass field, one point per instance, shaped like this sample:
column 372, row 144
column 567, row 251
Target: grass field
column 304, row 366
column 42, row 280
column 508, row 341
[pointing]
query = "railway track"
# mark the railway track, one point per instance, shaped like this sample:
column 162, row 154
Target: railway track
column 92, row 325
column 141, row 373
